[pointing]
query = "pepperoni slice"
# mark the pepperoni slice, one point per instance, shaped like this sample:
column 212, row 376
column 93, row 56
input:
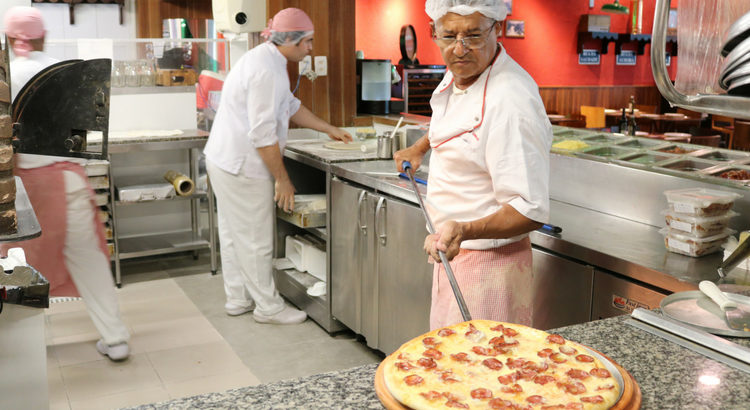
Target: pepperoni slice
column 460, row 357
column 578, row 374
column 605, row 387
column 510, row 332
column 553, row 338
column 536, row 367
column 431, row 395
column 430, row 341
column 405, row 366
column 483, row 351
column 447, row 377
column 572, row 387
column 535, row 399
column 472, row 330
column 481, row 393
column 492, row 363
column 558, row 358
column 592, row 399
column 545, row 352
column 527, row 374
column 497, row 340
column 574, row 406
column 600, row 373
column 507, row 378
column 515, row 363
column 499, row 403
column 456, row 404
column 445, row 332
column 403, row 356
column 498, row 328
column 568, row 350
column 413, row 380
column 544, row 379
column 585, row 358
column 433, row 353
column 452, row 397
column 516, row 388
column 427, row 362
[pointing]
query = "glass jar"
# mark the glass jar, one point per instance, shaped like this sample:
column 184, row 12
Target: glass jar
column 131, row 74
column 147, row 74
column 118, row 74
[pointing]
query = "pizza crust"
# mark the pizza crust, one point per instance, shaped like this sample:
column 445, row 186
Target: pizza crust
column 475, row 375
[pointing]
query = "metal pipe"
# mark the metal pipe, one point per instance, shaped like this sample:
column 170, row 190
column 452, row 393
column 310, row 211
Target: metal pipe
column 731, row 106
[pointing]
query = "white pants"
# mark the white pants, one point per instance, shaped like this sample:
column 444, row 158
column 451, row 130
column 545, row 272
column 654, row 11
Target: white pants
column 88, row 266
column 245, row 209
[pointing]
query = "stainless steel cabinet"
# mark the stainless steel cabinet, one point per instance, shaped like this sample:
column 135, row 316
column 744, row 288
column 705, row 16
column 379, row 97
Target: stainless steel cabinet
column 562, row 289
column 380, row 278
column 614, row 296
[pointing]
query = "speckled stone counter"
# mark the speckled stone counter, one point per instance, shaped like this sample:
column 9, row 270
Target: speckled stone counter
column 670, row 377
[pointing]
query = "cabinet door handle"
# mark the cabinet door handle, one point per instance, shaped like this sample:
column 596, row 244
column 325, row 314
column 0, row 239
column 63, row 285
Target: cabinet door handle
column 360, row 200
column 380, row 210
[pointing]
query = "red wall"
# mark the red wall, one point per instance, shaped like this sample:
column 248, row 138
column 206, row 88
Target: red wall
column 547, row 52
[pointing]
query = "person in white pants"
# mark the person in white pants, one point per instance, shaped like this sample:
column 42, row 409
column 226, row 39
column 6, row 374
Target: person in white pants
column 72, row 243
column 245, row 165
column 90, row 269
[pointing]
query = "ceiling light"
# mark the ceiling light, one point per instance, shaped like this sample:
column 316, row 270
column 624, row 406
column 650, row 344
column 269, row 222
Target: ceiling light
column 615, row 8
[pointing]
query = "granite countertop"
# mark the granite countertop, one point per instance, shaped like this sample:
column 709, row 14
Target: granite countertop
column 669, row 376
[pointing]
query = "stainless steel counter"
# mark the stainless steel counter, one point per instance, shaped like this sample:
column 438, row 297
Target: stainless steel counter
column 632, row 249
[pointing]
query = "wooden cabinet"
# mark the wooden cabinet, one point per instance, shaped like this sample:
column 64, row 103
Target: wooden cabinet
column 418, row 85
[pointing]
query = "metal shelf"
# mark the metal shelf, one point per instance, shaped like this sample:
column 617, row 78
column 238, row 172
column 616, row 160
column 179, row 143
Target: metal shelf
column 160, row 244
column 293, row 285
column 197, row 195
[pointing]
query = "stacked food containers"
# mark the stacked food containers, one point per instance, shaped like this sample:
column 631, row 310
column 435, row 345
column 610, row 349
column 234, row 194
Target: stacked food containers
column 697, row 220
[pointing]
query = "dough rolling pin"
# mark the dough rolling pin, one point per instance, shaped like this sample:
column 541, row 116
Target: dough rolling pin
column 406, row 165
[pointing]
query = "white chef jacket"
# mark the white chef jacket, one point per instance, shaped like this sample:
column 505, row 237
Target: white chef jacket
column 23, row 69
column 254, row 112
column 490, row 146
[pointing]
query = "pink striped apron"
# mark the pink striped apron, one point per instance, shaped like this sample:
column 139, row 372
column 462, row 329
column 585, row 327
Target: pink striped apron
column 496, row 285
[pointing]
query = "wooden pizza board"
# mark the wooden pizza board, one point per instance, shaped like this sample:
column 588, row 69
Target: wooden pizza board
column 630, row 399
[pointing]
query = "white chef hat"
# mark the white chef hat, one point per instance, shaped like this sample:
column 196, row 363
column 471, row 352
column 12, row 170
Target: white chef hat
column 494, row 9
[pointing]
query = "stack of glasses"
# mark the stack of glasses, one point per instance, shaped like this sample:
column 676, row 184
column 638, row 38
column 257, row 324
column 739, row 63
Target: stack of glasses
column 697, row 220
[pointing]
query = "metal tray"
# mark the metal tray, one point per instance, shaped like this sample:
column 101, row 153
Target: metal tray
column 696, row 309
column 613, row 370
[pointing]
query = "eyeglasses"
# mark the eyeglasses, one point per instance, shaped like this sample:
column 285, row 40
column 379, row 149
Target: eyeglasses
column 469, row 42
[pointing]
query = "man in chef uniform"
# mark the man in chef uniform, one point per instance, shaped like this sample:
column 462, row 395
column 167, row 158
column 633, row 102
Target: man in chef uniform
column 489, row 167
column 244, row 162
column 72, row 244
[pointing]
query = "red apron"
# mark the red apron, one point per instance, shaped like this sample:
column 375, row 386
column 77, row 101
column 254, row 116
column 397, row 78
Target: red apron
column 496, row 285
column 45, row 187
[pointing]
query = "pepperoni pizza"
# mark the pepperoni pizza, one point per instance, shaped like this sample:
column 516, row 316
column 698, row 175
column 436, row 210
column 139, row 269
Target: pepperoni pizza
column 494, row 365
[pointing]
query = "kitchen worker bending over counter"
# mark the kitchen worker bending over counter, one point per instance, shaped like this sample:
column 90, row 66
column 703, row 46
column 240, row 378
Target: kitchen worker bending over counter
column 72, row 244
column 489, row 167
column 244, row 162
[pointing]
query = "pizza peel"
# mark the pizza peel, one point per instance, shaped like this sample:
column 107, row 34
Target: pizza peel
column 444, row 259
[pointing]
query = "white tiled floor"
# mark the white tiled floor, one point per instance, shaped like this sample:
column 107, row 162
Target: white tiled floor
column 182, row 343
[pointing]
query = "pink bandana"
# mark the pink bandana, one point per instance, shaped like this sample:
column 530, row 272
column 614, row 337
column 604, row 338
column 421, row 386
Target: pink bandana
column 23, row 24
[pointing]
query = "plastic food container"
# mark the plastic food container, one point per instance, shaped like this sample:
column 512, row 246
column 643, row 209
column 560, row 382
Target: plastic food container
column 684, row 244
column 699, row 226
column 700, row 201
